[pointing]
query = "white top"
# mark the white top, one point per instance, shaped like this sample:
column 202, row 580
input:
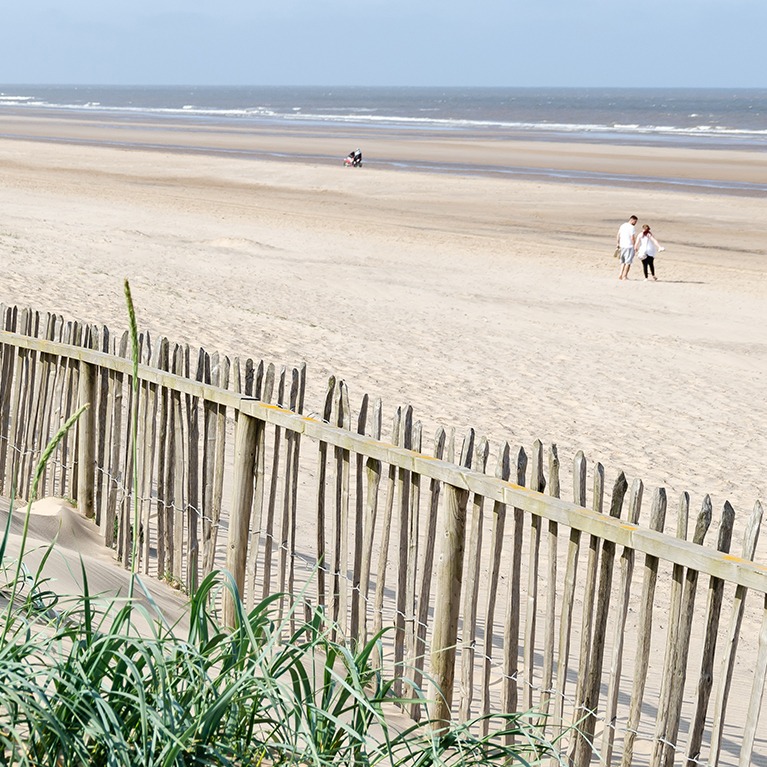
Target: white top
column 626, row 235
column 647, row 245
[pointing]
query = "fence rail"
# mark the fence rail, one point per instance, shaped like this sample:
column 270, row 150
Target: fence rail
column 502, row 594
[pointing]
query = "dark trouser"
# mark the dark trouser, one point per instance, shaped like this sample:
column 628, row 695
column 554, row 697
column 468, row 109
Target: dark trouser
column 648, row 262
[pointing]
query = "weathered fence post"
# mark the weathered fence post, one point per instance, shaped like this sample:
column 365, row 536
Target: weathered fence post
column 86, row 441
column 713, row 612
column 449, row 572
column 242, row 501
column 589, row 700
column 510, row 671
column 757, row 690
column 644, row 632
column 750, row 538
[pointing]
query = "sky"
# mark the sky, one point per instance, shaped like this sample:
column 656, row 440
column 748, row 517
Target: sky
column 567, row 43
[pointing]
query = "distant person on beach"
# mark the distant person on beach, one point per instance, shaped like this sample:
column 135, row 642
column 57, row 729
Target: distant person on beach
column 626, row 235
column 354, row 159
column 646, row 248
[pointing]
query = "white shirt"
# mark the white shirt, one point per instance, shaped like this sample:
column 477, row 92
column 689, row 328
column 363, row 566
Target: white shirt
column 647, row 245
column 626, row 235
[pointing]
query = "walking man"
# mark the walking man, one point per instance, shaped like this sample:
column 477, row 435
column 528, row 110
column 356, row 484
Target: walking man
column 626, row 235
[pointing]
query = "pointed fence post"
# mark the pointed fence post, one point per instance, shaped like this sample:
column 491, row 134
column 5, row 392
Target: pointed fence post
column 449, row 571
column 242, row 503
column 86, row 441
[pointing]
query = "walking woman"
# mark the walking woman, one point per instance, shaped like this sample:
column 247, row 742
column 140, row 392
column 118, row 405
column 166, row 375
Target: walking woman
column 647, row 247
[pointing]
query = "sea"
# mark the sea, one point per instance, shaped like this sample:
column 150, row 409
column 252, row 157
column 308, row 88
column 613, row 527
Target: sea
column 704, row 118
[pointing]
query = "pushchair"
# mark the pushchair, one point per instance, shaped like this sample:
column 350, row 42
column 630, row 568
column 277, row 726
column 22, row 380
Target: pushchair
column 353, row 159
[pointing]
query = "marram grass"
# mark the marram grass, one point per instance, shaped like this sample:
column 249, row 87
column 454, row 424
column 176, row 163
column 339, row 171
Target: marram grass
column 80, row 686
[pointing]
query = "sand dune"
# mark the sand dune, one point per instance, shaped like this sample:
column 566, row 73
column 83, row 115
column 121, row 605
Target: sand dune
column 76, row 542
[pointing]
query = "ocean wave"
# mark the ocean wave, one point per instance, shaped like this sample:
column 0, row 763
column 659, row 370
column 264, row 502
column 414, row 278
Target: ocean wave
column 424, row 119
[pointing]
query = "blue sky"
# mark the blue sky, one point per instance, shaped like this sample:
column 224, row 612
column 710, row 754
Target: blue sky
column 705, row 43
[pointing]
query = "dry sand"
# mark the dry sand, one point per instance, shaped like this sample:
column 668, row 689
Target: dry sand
column 490, row 302
column 77, row 539
column 485, row 302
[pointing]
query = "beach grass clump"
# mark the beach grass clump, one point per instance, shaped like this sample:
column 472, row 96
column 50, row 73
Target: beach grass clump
column 94, row 681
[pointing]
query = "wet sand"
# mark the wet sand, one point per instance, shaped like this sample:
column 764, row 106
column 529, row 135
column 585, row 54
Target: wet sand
column 461, row 153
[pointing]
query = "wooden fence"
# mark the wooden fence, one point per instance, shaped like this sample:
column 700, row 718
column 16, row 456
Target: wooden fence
column 503, row 595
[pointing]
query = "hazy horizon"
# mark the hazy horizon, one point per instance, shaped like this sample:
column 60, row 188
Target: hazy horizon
column 431, row 86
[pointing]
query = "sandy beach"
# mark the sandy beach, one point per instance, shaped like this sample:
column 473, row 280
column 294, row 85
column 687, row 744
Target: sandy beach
column 486, row 300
